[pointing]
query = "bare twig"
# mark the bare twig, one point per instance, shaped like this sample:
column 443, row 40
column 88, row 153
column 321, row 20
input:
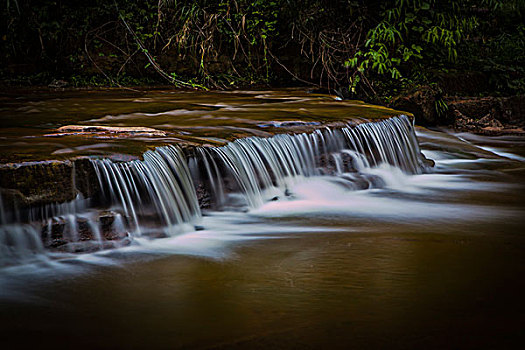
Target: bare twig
column 289, row 72
column 113, row 81
column 152, row 61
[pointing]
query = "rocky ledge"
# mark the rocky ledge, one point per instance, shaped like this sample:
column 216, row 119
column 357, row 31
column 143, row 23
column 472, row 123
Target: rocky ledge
column 488, row 115
column 480, row 115
column 47, row 192
column 29, row 184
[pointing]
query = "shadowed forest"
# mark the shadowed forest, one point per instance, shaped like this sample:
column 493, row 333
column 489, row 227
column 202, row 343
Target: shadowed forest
column 365, row 49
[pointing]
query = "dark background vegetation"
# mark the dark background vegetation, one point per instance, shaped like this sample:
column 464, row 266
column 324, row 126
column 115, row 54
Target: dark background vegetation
column 358, row 48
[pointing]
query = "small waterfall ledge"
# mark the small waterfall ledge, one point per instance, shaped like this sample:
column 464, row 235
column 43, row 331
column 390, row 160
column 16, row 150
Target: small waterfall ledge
column 92, row 204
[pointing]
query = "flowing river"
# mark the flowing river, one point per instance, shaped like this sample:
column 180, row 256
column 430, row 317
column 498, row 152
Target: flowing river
column 301, row 233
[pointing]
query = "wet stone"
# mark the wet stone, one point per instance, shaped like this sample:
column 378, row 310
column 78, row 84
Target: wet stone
column 106, row 219
column 84, row 230
column 203, row 196
column 56, row 233
column 53, row 234
column 39, row 182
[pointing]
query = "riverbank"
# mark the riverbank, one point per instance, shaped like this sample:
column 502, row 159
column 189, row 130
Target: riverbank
column 486, row 115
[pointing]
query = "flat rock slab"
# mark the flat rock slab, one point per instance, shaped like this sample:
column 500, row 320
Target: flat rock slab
column 100, row 130
column 45, row 182
column 132, row 123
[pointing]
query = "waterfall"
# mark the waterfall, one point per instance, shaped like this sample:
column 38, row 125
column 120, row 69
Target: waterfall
column 263, row 168
column 157, row 196
column 392, row 141
column 257, row 163
column 20, row 244
column 158, row 188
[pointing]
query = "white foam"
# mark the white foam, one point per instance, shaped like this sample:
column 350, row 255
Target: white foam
column 321, row 196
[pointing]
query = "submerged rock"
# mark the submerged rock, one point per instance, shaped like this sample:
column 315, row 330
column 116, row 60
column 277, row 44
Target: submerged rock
column 110, row 230
column 83, row 234
column 108, row 131
column 53, row 233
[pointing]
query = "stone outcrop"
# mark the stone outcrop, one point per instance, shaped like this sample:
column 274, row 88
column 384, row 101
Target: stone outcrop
column 421, row 103
column 85, row 181
column 33, row 183
column 38, row 183
column 488, row 115
column 482, row 115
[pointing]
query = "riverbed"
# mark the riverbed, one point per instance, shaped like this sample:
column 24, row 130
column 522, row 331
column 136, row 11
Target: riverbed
column 424, row 260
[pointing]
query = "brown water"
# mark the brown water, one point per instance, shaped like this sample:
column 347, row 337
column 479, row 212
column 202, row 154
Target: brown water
column 430, row 261
column 188, row 117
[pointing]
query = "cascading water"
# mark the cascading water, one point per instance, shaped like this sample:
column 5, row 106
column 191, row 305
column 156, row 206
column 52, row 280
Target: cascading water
column 20, row 243
column 329, row 239
column 158, row 188
column 391, row 141
column 156, row 197
column 24, row 234
column 265, row 168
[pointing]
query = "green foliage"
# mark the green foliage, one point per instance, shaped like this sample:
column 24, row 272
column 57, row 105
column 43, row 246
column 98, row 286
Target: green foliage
column 441, row 107
column 411, row 33
column 414, row 39
column 373, row 47
column 500, row 47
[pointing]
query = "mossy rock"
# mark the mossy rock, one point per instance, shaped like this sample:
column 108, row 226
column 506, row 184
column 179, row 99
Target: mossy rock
column 38, row 182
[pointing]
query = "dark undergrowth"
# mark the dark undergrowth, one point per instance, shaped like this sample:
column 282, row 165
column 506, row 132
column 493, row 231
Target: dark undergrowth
column 365, row 49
